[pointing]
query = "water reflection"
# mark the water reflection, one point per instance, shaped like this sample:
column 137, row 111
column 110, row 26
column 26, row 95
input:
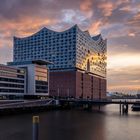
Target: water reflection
column 74, row 125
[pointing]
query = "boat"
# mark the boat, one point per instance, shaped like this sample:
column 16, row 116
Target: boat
column 135, row 107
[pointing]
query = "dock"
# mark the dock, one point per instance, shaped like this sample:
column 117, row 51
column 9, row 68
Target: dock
column 9, row 107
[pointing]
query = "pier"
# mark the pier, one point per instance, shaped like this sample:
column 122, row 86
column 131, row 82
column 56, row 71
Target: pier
column 50, row 103
column 88, row 104
column 24, row 106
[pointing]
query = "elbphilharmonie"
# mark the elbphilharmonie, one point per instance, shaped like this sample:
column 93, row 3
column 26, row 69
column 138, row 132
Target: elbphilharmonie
column 77, row 65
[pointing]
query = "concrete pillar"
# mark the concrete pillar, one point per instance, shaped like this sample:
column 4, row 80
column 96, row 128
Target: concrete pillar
column 120, row 108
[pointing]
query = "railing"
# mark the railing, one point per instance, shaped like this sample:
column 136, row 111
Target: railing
column 28, row 104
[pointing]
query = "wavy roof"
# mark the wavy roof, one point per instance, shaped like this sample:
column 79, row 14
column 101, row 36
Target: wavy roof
column 95, row 38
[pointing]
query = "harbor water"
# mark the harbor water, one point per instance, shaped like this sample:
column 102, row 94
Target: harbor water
column 106, row 124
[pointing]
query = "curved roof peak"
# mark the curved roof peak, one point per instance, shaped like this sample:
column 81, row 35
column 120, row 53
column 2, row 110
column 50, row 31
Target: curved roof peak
column 87, row 32
column 51, row 30
column 97, row 37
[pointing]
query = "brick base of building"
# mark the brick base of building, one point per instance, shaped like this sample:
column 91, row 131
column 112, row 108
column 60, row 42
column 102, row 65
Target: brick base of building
column 77, row 85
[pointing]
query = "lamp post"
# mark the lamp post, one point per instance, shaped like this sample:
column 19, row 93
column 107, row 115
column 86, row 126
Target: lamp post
column 58, row 92
column 68, row 93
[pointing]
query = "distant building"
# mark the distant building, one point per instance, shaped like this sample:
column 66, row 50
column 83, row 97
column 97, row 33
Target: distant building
column 79, row 60
column 36, row 76
column 138, row 93
column 12, row 80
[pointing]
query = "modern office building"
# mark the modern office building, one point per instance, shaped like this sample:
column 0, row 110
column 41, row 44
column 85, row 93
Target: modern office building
column 12, row 80
column 36, row 76
column 79, row 60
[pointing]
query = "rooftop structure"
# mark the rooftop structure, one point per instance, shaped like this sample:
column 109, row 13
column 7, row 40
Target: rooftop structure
column 70, row 49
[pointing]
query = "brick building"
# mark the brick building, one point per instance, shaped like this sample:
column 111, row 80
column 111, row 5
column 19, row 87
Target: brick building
column 79, row 60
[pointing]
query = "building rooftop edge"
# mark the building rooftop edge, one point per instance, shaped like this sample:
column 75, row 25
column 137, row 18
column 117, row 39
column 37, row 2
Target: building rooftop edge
column 95, row 38
column 38, row 61
column 45, row 28
column 10, row 66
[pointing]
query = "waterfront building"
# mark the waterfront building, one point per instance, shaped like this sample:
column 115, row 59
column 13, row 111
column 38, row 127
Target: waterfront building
column 12, row 80
column 36, row 76
column 79, row 60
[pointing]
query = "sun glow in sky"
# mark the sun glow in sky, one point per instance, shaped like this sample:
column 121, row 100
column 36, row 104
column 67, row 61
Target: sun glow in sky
column 124, row 60
column 116, row 20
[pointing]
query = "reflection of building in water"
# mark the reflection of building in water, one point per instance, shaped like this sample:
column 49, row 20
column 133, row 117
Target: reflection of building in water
column 79, row 60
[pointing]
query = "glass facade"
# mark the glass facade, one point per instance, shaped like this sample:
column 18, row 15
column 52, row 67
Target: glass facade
column 70, row 49
column 91, row 53
column 41, row 79
column 11, row 79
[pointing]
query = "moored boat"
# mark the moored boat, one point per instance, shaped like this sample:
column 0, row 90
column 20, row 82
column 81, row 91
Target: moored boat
column 136, row 107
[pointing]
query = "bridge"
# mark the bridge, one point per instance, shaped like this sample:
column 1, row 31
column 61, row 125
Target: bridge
column 87, row 103
column 43, row 104
column 8, row 107
column 25, row 103
column 101, row 102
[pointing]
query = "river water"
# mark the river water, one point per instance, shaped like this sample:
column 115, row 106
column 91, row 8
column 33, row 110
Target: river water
column 107, row 124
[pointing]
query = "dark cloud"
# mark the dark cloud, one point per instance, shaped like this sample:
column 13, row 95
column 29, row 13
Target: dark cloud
column 15, row 9
column 135, row 20
column 124, row 44
column 119, row 16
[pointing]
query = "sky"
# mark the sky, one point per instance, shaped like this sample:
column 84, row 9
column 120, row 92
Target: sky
column 116, row 20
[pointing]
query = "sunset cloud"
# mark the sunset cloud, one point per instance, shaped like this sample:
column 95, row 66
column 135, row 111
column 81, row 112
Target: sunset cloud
column 107, row 8
column 122, row 60
column 135, row 20
column 124, row 79
column 86, row 5
column 131, row 34
column 95, row 27
column 127, row 8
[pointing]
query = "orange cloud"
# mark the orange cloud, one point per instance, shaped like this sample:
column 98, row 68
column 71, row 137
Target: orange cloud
column 131, row 34
column 123, row 72
column 32, row 25
column 124, row 88
column 135, row 21
column 126, row 8
column 5, row 43
column 118, row 2
column 24, row 27
column 95, row 27
column 86, row 5
column 106, row 8
column 123, row 60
